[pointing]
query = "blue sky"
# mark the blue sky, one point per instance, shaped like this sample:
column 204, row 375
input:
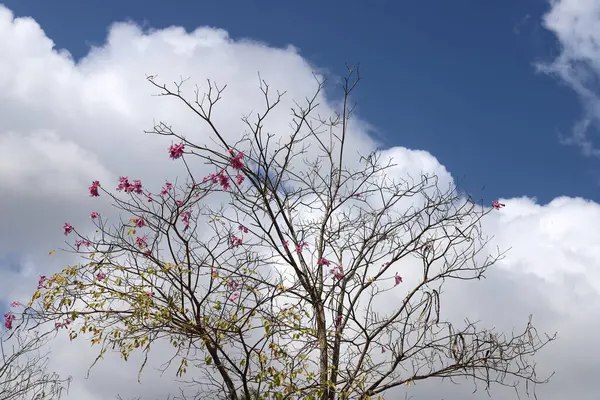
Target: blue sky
column 455, row 78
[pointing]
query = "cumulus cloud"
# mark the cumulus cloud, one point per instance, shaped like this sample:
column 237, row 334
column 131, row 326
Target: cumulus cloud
column 576, row 24
column 65, row 123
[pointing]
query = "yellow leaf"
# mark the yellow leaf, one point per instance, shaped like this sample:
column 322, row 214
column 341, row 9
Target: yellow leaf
column 52, row 252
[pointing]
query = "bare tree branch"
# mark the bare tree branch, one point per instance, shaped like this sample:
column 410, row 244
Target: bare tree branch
column 277, row 293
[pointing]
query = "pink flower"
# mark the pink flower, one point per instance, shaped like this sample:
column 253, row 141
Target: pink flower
column 147, row 253
column 41, row 281
column 397, row 279
column 8, row 320
column 236, row 161
column 338, row 272
column 323, row 261
column 497, row 205
column 383, row 349
column 127, row 187
column 58, row 325
column 235, row 241
column 149, row 197
column 123, row 183
column 185, row 218
column 232, row 285
column 224, row 181
column 136, row 187
column 286, row 243
column 68, row 228
column 149, row 294
column 168, row 186
column 141, row 241
column 179, row 203
column 239, row 179
column 211, row 177
column 219, row 178
column 243, row 228
column 176, row 151
column 139, row 222
column 84, row 242
column 100, row 276
column 234, row 297
column 94, row 215
column 357, row 195
column 301, row 247
column 15, row 304
column 94, row 189
column 338, row 319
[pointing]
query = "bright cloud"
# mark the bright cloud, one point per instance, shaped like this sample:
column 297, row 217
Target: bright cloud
column 576, row 24
column 65, row 124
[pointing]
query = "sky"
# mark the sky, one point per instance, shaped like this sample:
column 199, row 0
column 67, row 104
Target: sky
column 503, row 96
column 455, row 78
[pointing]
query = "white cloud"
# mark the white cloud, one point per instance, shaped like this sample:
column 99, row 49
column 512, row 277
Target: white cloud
column 66, row 123
column 576, row 24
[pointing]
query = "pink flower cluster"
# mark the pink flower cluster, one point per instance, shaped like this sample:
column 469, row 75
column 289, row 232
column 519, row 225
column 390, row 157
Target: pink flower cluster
column 128, row 187
column 236, row 160
column 185, row 218
column 338, row 272
column 236, row 241
column 176, row 151
column 58, row 325
column 234, row 297
column 82, row 242
column 323, row 261
column 94, row 189
column 8, row 320
column 301, row 247
column 41, row 282
column 168, row 186
column 141, row 241
column 219, row 178
column 68, row 228
column 242, row 228
column 497, row 205
column 397, row 279
column 94, row 215
column 139, row 222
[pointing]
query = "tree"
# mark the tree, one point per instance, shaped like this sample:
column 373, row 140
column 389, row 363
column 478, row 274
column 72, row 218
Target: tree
column 279, row 292
column 23, row 368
